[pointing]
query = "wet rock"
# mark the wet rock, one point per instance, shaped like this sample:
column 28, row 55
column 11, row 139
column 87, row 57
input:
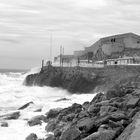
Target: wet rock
column 98, row 98
column 133, row 112
column 37, row 120
column 113, row 124
column 93, row 109
column 51, row 126
column 10, row 116
column 86, row 105
column 118, row 116
column 104, row 110
column 50, row 137
column 132, row 102
column 4, row 124
column 101, row 135
column 25, row 106
column 53, row 113
column 62, row 99
column 75, row 108
column 69, row 117
column 83, row 114
column 32, row 136
column 86, row 124
column 72, row 133
column 57, row 132
column 38, row 110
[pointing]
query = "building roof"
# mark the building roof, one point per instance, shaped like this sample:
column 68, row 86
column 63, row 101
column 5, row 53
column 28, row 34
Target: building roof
column 121, row 36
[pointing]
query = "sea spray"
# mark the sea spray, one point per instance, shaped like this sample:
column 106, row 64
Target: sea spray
column 13, row 95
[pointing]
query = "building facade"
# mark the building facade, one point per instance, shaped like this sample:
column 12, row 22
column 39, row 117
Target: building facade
column 114, row 46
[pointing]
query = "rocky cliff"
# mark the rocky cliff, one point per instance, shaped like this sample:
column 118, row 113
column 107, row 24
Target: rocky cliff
column 85, row 80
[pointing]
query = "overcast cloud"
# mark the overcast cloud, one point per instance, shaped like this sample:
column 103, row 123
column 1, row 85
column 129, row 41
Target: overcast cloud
column 26, row 26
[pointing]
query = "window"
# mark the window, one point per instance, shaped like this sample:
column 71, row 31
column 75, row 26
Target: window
column 113, row 40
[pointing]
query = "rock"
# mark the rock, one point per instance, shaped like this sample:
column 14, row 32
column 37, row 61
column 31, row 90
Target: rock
column 113, row 124
column 32, row 136
column 53, row 113
column 38, row 110
column 57, row 132
column 104, row 110
column 37, row 120
column 4, row 124
column 86, row 124
column 11, row 116
column 118, row 116
column 69, row 117
column 25, row 106
column 75, row 108
column 62, row 99
column 83, row 114
column 93, row 110
column 86, row 105
column 101, row 135
column 72, row 133
column 51, row 126
column 132, row 102
column 133, row 112
column 97, row 98
column 50, row 137
column 103, row 103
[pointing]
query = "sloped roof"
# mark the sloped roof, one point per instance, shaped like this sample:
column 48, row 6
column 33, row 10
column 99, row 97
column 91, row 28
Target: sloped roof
column 121, row 36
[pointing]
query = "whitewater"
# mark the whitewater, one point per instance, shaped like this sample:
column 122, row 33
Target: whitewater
column 13, row 95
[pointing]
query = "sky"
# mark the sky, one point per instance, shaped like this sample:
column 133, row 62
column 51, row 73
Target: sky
column 28, row 26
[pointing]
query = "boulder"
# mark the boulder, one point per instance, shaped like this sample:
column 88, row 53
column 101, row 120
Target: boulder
column 4, row 124
column 75, row 108
column 51, row 126
column 104, row 110
column 86, row 124
column 132, row 102
column 72, row 133
column 10, row 116
column 93, row 110
column 53, row 113
column 50, row 137
column 85, row 105
column 118, row 116
column 101, row 135
column 32, row 136
column 57, row 132
column 98, row 98
column 37, row 120
column 25, row 106
column 69, row 117
column 83, row 114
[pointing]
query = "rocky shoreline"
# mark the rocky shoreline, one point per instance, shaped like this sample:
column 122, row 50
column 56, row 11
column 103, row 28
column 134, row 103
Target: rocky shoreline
column 105, row 117
column 111, row 115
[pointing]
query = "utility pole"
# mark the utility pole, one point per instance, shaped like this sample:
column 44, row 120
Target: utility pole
column 60, row 55
column 51, row 47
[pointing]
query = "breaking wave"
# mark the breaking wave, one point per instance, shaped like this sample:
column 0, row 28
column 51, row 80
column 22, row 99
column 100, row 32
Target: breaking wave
column 13, row 94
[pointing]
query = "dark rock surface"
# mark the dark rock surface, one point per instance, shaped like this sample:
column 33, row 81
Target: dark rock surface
column 37, row 120
column 104, row 118
column 85, row 80
column 25, row 106
column 4, row 124
column 11, row 116
column 32, row 136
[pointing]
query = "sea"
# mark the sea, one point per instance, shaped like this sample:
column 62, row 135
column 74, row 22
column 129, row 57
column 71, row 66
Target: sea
column 13, row 95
